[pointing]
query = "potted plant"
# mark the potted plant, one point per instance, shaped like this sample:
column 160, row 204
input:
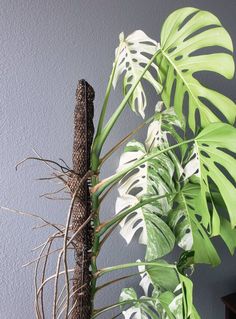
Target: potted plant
column 176, row 188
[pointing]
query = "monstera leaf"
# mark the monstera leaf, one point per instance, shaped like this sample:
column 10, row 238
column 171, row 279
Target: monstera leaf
column 216, row 149
column 190, row 233
column 228, row 234
column 198, row 214
column 184, row 33
column 155, row 233
column 132, row 55
column 155, row 177
column 166, row 127
column 169, row 279
column 171, row 296
column 163, row 126
column 142, row 308
column 149, row 179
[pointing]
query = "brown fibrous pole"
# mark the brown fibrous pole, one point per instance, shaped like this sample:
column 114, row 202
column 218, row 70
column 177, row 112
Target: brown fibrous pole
column 83, row 137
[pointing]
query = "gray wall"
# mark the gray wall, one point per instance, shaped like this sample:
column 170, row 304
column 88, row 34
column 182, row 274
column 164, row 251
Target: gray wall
column 45, row 47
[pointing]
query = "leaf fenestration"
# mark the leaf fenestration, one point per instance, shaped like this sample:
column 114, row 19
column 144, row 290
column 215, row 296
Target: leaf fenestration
column 133, row 54
column 184, row 33
column 155, row 177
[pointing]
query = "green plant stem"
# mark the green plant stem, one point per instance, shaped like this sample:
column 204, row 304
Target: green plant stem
column 115, row 281
column 94, row 164
column 95, row 246
column 99, row 140
column 102, row 135
column 122, row 303
column 122, row 105
column 116, row 177
column 107, row 94
column 118, row 279
column 105, row 226
column 126, row 138
column 104, row 271
column 95, row 154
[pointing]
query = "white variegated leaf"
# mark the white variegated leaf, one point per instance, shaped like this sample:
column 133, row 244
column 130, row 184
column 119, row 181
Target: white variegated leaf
column 176, row 305
column 155, row 233
column 132, row 55
column 139, row 309
column 181, row 226
column 152, row 178
column 145, row 282
column 162, row 126
column 155, row 177
column 193, row 165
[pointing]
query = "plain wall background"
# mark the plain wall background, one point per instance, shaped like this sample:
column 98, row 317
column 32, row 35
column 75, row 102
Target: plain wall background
column 45, row 47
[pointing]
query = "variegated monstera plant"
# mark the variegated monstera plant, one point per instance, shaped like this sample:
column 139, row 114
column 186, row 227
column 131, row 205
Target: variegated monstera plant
column 179, row 186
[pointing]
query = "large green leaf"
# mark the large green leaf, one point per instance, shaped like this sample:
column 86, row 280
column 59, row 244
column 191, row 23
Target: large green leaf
column 199, row 214
column 173, row 307
column 171, row 295
column 228, row 234
column 132, row 55
column 216, row 149
column 165, row 278
column 186, row 31
column 190, row 233
column 169, row 279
